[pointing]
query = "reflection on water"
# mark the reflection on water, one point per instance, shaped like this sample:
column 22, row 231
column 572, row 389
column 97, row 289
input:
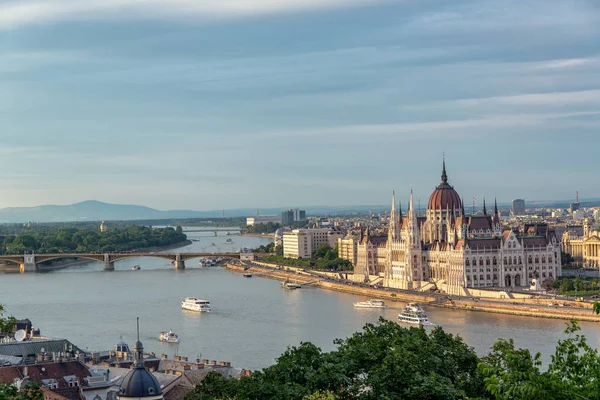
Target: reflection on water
column 252, row 320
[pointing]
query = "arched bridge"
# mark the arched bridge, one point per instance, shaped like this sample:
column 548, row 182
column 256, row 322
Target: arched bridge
column 29, row 262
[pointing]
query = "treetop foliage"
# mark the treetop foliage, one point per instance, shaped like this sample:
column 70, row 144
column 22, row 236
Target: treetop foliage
column 387, row 361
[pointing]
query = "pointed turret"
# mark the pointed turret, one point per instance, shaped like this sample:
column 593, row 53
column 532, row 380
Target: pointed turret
column 138, row 349
column 496, row 217
column 484, row 209
column 444, row 175
column 393, row 229
column 400, row 214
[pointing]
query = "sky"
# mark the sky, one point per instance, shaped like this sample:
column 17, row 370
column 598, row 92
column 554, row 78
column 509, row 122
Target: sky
column 211, row 104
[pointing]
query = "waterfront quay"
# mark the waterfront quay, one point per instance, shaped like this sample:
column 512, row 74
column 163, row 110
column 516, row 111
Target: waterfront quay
column 523, row 305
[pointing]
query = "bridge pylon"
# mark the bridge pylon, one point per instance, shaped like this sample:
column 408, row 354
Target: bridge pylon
column 179, row 262
column 28, row 264
column 109, row 265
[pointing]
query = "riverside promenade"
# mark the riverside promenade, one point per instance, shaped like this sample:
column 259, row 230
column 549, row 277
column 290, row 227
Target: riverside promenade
column 529, row 307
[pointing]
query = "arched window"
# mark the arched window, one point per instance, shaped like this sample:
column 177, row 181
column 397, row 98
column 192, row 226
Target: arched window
column 468, row 262
column 481, row 262
column 487, row 261
column 537, row 260
column 549, row 259
column 495, row 262
column 529, row 260
column 520, row 260
column 505, row 261
column 543, row 259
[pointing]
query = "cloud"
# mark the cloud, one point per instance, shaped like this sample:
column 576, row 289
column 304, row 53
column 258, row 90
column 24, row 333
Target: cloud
column 22, row 13
column 582, row 97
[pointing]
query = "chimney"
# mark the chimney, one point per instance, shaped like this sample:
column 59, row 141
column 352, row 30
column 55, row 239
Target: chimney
column 163, row 356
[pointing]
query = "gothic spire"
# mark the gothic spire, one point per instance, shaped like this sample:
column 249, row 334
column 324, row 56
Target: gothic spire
column 484, row 209
column 462, row 208
column 393, row 231
column 400, row 213
column 444, row 175
column 495, row 206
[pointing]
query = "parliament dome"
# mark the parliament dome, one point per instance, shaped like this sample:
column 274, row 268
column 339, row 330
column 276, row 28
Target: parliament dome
column 444, row 197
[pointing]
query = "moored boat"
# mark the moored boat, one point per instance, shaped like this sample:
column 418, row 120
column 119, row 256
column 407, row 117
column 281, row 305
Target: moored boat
column 247, row 275
column 168, row 337
column 136, row 267
column 372, row 303
column 194, row 304
column 290, row 285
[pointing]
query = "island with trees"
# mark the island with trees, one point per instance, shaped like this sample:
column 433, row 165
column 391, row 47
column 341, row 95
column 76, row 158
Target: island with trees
column 86, row 240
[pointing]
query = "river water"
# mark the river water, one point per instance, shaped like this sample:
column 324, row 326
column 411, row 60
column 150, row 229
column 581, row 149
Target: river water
column 252, row 322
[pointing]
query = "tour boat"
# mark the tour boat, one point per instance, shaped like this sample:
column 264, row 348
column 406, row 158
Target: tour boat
column 136, row 268
column 169, row 337
column 414, row 307
column 247, row 275
column 229, row 240
column 373, row 303
column 290, row 285
column 194, row 304
column 412, row 317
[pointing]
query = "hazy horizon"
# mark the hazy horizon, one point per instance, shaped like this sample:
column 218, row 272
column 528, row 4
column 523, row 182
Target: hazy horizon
column 210, row 105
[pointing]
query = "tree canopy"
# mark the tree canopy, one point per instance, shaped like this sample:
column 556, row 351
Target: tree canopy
column 387, row 361
column 78, row 240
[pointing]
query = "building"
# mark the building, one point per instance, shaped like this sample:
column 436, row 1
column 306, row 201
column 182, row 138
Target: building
column 518, row 207
column 103, row 227
column 278, row 236
column 371, row 256
column 449, row 250
column 302, row 243
column 348, row 247
column 263, row 219
column 293, row 216
column 585, row 249
column 139, row 383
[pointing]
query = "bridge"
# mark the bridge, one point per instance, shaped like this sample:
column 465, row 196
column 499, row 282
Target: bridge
column 30, row 262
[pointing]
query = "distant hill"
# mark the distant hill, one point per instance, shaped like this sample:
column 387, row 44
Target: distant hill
column 92, row 210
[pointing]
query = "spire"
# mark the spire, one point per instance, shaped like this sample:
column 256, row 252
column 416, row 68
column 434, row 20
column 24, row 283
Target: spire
column 462, row 208
column 444, row 175
column 484, row 209
column 400, row 213
column 393, row 226
column 495, row 206
column 138, row 350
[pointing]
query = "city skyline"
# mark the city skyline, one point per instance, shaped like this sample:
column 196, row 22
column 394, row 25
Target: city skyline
column 187, row 105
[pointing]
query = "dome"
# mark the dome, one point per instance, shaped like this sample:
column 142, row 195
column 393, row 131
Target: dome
column 140, row 383
column 444, row 196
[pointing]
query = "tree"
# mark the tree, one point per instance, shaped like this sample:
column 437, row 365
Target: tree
column 179, row 229
column 383, row 361
column 578, row 284
column 6, row 323
column 596, row 307
column 566, row 285
column 32, row 391
column 566, row 258
column 573, row 373
column 548, row 284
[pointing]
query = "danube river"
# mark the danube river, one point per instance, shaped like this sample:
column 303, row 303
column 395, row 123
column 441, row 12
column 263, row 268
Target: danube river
column 252, row 322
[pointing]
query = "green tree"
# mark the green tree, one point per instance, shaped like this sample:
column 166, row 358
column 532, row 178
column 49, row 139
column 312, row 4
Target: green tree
column 30, row 392
column 566, row 258
column 596, row 307
column 179, row 229
column 573, row 373
column 548, row 284
column 383, row 361
column 566, row 285
column 578, row 284
column 6, row 323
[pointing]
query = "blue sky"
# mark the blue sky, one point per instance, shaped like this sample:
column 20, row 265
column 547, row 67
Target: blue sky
column 209, row 104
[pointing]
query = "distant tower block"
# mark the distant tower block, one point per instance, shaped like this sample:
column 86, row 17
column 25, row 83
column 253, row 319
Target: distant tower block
column 103, row 227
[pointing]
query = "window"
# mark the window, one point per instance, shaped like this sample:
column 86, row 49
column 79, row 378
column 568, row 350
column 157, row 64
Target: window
column 487, row 261
column 529, row 260
column 481, row 277
column 494, row 261
column 468, row 262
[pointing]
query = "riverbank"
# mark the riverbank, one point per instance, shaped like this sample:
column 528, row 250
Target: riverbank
column 261, row 235
column 524, row 307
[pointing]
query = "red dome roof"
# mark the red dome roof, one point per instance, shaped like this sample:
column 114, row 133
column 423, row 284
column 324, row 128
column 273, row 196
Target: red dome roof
column 444, row 196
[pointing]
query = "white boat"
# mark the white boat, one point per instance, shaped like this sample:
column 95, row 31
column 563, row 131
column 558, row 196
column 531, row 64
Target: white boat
column 373, row 303
column 290, row 285
column 412, row 317
column 414, row 307
column 194, row 304
column 169, row 337
column 136, row 268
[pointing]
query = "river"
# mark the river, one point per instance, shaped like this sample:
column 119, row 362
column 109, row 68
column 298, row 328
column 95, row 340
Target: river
column 252, row 322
